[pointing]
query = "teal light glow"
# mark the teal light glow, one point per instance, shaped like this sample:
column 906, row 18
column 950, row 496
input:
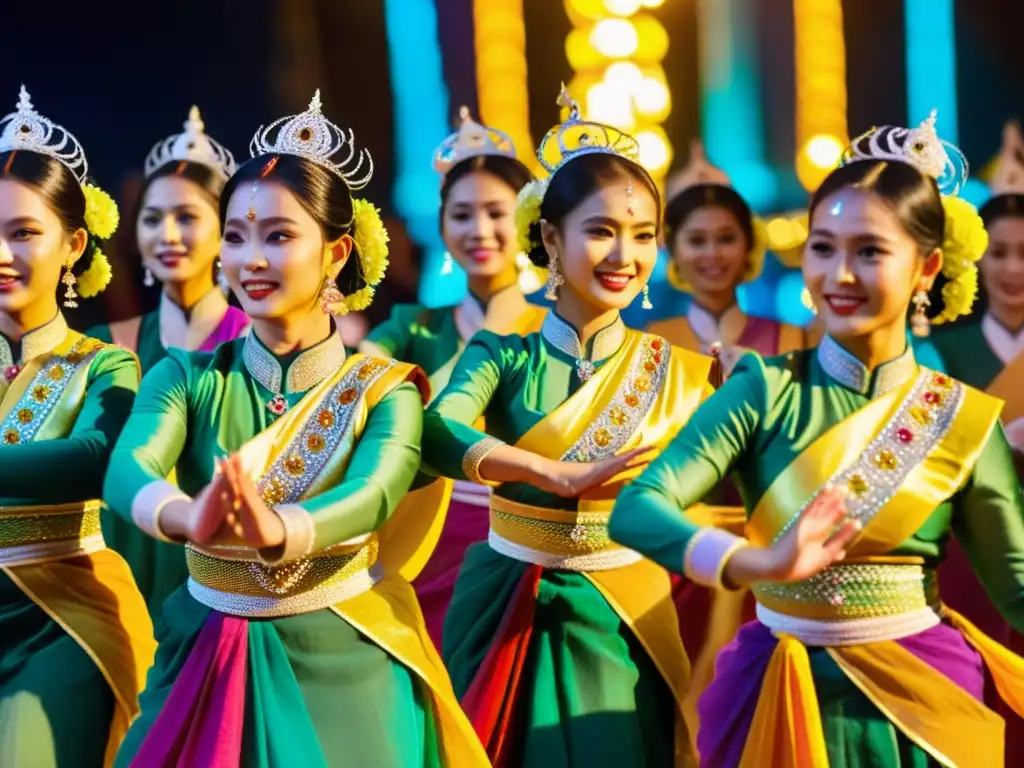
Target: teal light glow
column 421, row 120
column 931, row 63
column 733, row 125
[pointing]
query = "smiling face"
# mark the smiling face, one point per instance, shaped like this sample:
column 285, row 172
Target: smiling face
column 177, row 230
column 608, row 244
column 861, row 266
column 1002, row 268
column 33, row 249
column 479, row 224
column 275, row 263
column 711, row 251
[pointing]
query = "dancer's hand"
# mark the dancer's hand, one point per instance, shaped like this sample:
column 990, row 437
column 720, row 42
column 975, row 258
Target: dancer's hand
column 573, row 479
column 201, row 519
column 814, row 542
column 254, row 523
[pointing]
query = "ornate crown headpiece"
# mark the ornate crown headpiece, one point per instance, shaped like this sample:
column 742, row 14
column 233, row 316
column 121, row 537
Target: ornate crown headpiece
column 920, row 147
column 472, row 139
column 577, row 136
column 193, row 145
column 1008, row 178
column 26, row 129
column 698, row 170
column 314, row 137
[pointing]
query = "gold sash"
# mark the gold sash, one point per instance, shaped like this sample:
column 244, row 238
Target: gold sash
column 1006, row 386
column 901, row 456
column 92, row 596
column 388, row 614
column 643, row 395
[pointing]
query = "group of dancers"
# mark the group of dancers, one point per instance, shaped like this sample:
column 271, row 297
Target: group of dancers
column 514, row 531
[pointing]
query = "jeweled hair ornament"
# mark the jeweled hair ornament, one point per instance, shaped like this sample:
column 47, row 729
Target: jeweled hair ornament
column 314, row 137
column 472, row 139
column 698, row 170
column 576, row 136
column 193, row 145
column 920, row 147
column 25, row 129
column 1008, row 178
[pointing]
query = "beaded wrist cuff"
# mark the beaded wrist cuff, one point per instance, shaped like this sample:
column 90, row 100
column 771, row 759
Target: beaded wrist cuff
column 299, row 533
column 474, row 457
column 150, row 501
column 706, row 555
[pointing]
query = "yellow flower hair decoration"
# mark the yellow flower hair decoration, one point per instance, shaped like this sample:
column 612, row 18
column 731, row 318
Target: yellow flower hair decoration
column 97, row 277
column 963, row 246
column 371, row 242
column 528, row 203
column 755, row 260
column 101, row 215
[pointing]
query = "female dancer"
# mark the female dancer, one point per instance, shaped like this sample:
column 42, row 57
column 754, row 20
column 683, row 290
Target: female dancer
column 860, row 462
column 481, row 177
column 178, row 233
column 75, row 638
column 716, row 244
column 562, row 646
column 297, row 640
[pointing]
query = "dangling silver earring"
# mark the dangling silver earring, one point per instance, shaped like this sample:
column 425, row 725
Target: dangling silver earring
column 920, row 326
column 555, row 279
column 70, row 294
column 147, row 279
column 222, row 280
column 446, row 267
column 646, row 303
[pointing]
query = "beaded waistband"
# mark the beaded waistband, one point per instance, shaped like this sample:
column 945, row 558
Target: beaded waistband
column 234, row 580
column 39, row 534
column 555, row 538
column 852, row 603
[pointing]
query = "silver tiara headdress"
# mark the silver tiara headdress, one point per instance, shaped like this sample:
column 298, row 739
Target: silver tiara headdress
column 26, row 129
column 920, row 147
column 577, row 136
column 314, row 137
column 193, row 145
column 698, row 170
column 472, row 139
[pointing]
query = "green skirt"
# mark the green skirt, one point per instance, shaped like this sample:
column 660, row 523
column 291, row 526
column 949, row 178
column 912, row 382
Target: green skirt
column 315, row 693
column 55, row 705
column 588, row 694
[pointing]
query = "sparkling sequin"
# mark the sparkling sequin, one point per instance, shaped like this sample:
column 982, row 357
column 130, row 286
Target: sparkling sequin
column 920, row 415
column 617, row 417
column 11, row 437
column 294, row 465
column 885, row 459
column 632, row 400
column 347, row 396
column 315, row 443
column 932, row 398
column 904, row 435
column 857, row 484
column 56, row 373
column 40, row 392
column 25, row 415
column 642, row 384
column 11, row 372
column 325, row 418
column 602, row 437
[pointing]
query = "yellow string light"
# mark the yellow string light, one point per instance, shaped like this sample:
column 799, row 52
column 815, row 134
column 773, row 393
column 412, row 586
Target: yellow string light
column 616, row 50
column 501, row 74
column 821, row 129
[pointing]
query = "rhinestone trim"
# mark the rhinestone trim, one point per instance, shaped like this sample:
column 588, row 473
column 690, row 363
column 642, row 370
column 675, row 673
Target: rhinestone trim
column 307, row 370
column 849, row 371
column 813, row 632
column 44, row 392
column 475, row 456
column 924, row 416
column 289, row 477
column 563, row 337
column 612, row 429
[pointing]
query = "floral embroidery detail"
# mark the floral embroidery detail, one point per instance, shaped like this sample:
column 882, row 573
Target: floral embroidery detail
column 277, row 405
column 40, row 392
column 11, row 437
column 879, row 472
column 616, row 424
column 291, row 475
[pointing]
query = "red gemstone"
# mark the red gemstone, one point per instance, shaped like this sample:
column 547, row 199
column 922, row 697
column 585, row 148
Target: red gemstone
column 11, row 372
column 931, row 398
column 656, row 344
column 657, row 358
column 904, row 435
column 940, row 380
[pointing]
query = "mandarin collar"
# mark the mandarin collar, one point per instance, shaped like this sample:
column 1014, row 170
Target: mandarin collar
column 847, row 369
column 308, row 369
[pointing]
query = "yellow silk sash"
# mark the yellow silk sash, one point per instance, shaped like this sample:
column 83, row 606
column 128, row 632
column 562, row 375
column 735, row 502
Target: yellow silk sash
column 640, row 593
column 92, row 597
column 1006, row 386
column 929, row 708
column 388, row 614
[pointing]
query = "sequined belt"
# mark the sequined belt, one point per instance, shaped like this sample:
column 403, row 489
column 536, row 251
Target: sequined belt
column 39, row 534
column 555, row 538
column 853, row 603
column 234, row 580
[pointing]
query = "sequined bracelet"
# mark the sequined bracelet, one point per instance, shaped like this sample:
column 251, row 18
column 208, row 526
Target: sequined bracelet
column 474, row 457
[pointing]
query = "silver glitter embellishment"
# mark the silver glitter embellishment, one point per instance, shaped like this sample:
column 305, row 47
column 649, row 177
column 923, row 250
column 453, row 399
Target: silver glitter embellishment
column 849, row 371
